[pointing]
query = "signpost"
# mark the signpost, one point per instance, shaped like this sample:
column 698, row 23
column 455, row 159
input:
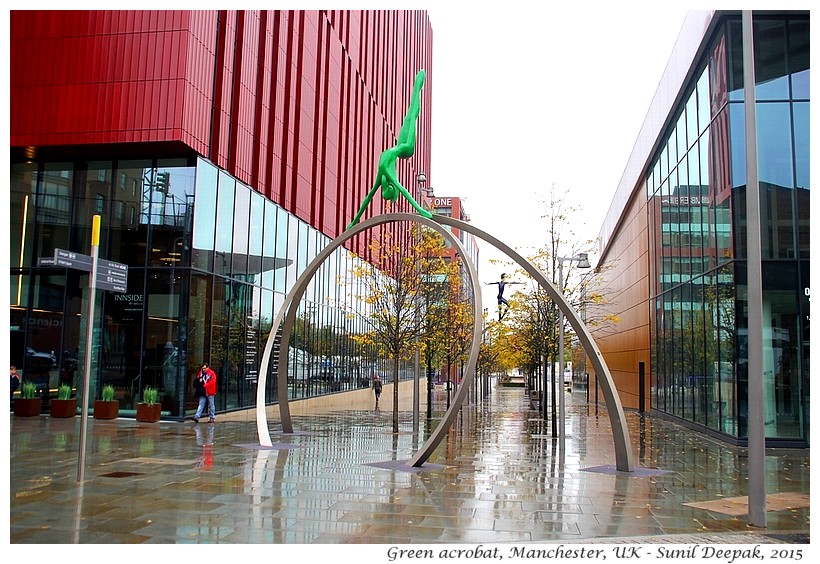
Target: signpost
column 111, row 275
column 68, row 259
column 105, row 275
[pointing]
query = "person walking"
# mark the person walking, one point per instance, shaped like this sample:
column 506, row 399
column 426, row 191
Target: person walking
column 377, row 388
column 205, row 384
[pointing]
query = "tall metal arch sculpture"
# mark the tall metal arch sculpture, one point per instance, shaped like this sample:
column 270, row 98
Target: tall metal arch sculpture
column 287, row 316
column 623, row 451
column 287, row 313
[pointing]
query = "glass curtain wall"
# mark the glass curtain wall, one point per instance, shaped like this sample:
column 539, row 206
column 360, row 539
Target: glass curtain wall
column 696, row 193
column 209, row 264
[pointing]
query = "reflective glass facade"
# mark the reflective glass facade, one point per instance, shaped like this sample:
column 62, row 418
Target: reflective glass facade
column 210, row 261
column 696, row 196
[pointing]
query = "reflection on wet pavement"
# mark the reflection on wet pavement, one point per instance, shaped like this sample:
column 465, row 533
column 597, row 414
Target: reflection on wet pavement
column 499, row 477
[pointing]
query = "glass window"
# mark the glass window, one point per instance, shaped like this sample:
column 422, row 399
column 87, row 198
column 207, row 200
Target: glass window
column 204, row 215
column 282, row 233
column 684, row 226
column 163, row 367
column 267, row 313
column 52, row 209
column 172, row 197
column 665, row 161
column 799, row 58
column 226, row 195
column 683, row 173
column 43, row 323
column 783, row 385
column 720, row 166
column 771, row 78
column 257, row 234
column 803, row 228
column 774, row 144
column 692, row 164
column 672, row 146
column 703, row 172
column 268, row 242
column 727, row 342
column 21, row 228
column 737, row 124
column 691, row 120
column 735, row 60
column 303, row 250
column 201, row 325
column 656, row 177
column 703, row 98
column 802, row 136
column 723, row 230
column 241, row 214
column 681, row 133
column 718, row 69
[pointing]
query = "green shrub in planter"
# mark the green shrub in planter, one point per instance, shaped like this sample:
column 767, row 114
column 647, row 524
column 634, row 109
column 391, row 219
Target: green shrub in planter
column 149, row 395
column 108, row 392
column 64, row 392
column 28, row 391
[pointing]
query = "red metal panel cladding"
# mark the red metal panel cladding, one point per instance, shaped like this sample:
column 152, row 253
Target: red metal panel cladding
column 297, row 104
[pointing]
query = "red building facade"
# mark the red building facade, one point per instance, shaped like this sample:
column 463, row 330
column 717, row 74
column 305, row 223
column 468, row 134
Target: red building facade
column 296, row 104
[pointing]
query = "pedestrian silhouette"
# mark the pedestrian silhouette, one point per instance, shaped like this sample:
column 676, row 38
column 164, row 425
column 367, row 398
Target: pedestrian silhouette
column 386, row 176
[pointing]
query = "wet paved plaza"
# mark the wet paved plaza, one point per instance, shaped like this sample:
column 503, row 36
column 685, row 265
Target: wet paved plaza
column 500, row 477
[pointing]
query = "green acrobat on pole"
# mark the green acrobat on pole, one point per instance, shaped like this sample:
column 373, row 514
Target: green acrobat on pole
column 386, row 177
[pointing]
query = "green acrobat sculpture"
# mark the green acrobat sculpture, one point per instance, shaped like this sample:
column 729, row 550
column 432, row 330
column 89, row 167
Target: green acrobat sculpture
column 386, row 177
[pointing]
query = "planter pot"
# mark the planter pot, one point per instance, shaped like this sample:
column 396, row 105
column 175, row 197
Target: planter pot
column 64, row 407
column 27, row 407
column 149, row 412
column 106, row 409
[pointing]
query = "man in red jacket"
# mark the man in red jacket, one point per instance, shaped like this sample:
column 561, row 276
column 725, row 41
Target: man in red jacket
column 206, row 379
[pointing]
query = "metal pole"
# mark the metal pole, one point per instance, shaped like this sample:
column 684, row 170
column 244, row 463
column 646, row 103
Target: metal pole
column 416, row 380
column 544, row 385
column 89, row 335
column 416, row 360
column 552, row 397
column 757, row 425
column 561, row 409
column 421, row 178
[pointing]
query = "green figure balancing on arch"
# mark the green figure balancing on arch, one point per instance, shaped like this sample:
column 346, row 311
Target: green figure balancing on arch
column 386, row 176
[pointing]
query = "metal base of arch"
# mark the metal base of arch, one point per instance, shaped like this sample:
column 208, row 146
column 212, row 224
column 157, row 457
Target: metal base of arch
column 287, row 315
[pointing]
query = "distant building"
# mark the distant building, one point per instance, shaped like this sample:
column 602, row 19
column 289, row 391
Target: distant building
column 451, row 206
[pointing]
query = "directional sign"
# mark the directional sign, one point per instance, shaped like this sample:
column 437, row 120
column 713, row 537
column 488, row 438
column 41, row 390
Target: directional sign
column 112, row 276
column 68, row 259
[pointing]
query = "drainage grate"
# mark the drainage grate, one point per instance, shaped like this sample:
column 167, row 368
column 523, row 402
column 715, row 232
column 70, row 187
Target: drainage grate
column 121, row 474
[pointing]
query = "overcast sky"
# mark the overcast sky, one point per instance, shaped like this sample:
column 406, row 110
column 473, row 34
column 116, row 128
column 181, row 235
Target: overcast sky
column 527, row 96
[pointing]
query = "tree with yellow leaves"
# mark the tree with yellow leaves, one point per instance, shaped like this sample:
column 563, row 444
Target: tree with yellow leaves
column 394, row 284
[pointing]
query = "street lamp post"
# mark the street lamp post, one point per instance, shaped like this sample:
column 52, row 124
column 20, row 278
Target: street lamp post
column 421, row 179
column 583, row 262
